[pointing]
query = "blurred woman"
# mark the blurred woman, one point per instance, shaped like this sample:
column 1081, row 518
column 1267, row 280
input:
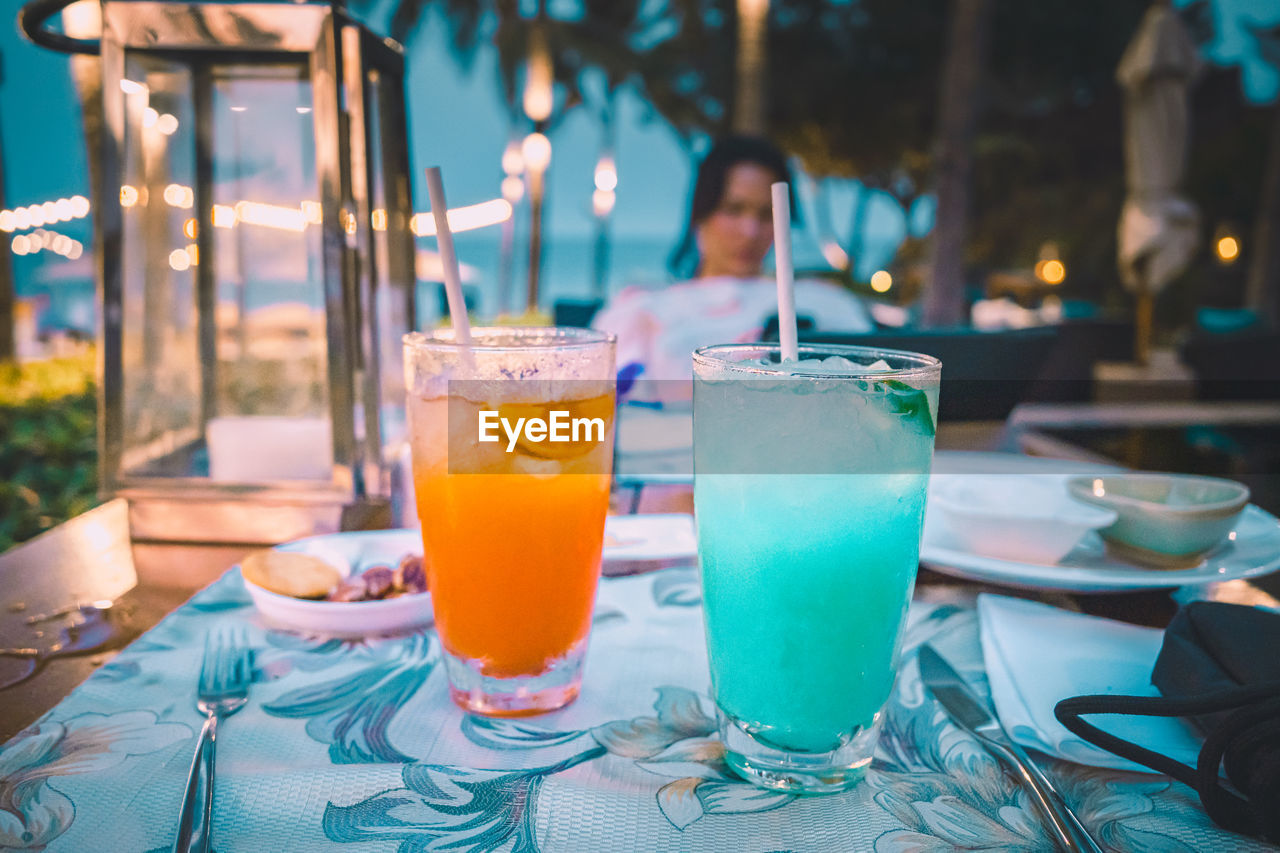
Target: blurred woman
column 725, row 298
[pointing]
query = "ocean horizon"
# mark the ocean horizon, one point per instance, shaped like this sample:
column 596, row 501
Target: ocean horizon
column 66, row 299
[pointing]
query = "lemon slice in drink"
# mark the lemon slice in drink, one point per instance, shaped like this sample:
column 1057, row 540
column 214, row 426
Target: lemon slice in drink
column 592, row 408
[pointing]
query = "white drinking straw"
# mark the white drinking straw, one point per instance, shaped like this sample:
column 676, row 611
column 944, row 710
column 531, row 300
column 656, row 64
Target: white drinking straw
column 786, row 274
column 449, row 260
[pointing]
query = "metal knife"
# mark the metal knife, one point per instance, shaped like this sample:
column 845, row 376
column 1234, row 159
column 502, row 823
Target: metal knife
column 968, row 712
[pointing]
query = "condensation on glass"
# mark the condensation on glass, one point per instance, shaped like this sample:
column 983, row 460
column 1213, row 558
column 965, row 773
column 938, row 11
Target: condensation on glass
column 257, row 268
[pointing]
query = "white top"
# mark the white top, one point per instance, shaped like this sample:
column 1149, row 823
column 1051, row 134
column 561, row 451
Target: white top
column 661, row 328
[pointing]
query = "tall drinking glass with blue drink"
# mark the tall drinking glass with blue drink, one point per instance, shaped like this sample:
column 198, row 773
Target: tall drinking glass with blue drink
column 809, row 488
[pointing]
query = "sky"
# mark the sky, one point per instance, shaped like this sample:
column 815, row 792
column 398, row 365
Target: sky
column 458, row 122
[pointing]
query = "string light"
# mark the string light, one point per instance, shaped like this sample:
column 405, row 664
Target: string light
column 1052, row 272
column 512, row 159
column 1226, row 245
column 179, row 195
column 48, row 212
column 464, row 218
column 41, row 240
column 602, row 202
column 513, row 188
column 270, row 216
column 1050, row 269
column 1228, row 249
column 308, row 212
column 539, row 94
column 224, row 216
column 536, row 149
column 606, row 175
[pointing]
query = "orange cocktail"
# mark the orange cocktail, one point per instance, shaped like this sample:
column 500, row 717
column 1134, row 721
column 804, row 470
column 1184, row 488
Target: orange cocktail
column 512, row 514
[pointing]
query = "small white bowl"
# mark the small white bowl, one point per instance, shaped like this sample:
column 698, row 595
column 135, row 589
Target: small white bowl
column 1169, row 521
column 349, row 553
column 1019, row 517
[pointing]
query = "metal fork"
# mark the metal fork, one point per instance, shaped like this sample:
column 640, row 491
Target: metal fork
column 224, row 689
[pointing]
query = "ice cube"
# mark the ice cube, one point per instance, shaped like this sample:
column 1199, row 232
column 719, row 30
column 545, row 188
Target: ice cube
column 522, row 463
column 835, row 365
column 466, row 453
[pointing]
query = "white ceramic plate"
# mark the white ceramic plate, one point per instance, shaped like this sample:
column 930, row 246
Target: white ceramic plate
column 630, row 538
column 350, row 553
column 1255, row 550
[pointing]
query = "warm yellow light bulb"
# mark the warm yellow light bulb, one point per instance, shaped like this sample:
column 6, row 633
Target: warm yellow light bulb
column 536, row 149
column 1228, row 249
column 606, row 175
column 1054, row 272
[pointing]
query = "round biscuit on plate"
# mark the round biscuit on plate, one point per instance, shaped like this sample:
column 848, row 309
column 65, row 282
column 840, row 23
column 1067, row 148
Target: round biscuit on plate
column 290, row 573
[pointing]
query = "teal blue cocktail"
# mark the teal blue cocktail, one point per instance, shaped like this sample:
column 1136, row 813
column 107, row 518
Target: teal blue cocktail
column 810, row 483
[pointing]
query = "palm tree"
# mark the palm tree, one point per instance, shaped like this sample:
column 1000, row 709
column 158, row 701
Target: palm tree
column 853, row 91
column 958, row 104
column 1262, row 289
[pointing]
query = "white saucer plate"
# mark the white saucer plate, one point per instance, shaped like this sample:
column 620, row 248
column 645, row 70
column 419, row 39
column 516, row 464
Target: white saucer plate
column 1253, row 551
column 350, row 553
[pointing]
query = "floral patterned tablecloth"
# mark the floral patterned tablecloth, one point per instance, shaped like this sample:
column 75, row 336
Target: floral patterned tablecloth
column 354, row 746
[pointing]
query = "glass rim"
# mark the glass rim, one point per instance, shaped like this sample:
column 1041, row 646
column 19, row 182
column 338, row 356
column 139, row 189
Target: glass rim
column 921, row 366
column 539, row 337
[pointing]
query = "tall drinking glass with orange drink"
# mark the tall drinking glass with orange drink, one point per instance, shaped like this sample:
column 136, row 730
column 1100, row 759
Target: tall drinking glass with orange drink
column 512, row 444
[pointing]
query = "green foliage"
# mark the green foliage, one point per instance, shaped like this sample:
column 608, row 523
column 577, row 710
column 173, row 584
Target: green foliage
column 48, row 445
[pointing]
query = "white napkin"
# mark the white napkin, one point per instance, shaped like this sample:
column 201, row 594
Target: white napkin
column 1036, row 655
column 652, row 536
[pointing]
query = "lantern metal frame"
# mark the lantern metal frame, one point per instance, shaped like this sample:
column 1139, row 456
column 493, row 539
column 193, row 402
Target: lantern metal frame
column 348, row 69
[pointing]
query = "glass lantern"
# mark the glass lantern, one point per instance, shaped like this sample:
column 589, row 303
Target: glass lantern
column 256, row 269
